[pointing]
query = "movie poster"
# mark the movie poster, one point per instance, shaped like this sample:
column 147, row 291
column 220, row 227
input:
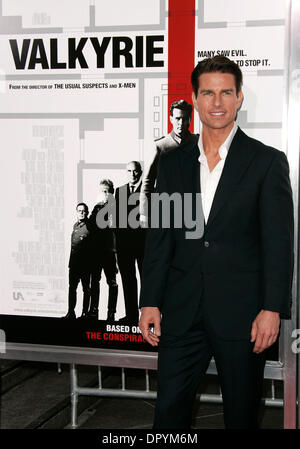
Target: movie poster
column 86, row 88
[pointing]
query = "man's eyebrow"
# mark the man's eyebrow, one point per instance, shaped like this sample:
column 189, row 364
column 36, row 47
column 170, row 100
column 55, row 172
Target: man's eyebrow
column 209, row 90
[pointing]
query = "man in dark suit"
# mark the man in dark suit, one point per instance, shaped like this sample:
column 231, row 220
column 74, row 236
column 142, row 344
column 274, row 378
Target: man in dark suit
column 220, row 295
column 130, row 240
column 103, row 256
column 180, row 118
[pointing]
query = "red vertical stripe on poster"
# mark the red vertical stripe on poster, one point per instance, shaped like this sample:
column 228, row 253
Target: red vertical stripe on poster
column 181, row 51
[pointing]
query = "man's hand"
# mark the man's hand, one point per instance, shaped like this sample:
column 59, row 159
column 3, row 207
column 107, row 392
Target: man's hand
column 150, row 315
column 265, row 329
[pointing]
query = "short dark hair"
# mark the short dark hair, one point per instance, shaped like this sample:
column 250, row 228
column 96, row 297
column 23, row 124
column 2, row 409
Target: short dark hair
column 183, row 106
column 84, row 205
column 217, row 64
column 109, row 184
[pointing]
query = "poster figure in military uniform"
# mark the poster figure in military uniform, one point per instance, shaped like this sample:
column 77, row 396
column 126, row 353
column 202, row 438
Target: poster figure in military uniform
column 79, row 262
column 130, row 241
column 103, row 256
column 180, row 118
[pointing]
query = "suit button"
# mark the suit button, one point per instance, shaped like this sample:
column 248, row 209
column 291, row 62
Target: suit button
column 206, row 244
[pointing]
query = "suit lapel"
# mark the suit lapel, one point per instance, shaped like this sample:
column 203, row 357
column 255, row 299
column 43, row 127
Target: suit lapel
column 237, row 161
column 190, row 175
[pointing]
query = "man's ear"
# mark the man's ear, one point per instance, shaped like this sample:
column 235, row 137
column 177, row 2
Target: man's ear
column 194, row 101
column 240, row 100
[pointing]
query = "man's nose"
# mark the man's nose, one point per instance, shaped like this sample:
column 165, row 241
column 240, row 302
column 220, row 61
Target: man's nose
column 217, row 99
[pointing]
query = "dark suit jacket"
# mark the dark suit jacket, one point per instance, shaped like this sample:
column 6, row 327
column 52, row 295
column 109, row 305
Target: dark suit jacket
column 79, row 259
column 127, row 238
column 244, row 261
column 163, row 144
column 103, row 240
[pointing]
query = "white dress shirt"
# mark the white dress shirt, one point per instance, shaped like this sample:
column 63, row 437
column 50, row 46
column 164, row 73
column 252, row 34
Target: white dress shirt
column 135, row 186
column 210, row 179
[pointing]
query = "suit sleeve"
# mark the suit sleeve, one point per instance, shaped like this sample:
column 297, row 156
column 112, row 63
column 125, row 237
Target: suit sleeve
column 277, row 233
column 158, row 253
column 148, row 183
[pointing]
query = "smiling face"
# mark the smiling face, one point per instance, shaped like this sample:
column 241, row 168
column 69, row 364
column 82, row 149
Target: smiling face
column 217, row 101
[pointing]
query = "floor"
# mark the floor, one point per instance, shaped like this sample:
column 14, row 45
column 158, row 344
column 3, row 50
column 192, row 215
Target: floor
column 37, row 396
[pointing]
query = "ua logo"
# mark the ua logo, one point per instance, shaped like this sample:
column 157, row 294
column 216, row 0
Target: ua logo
column 17, row 296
